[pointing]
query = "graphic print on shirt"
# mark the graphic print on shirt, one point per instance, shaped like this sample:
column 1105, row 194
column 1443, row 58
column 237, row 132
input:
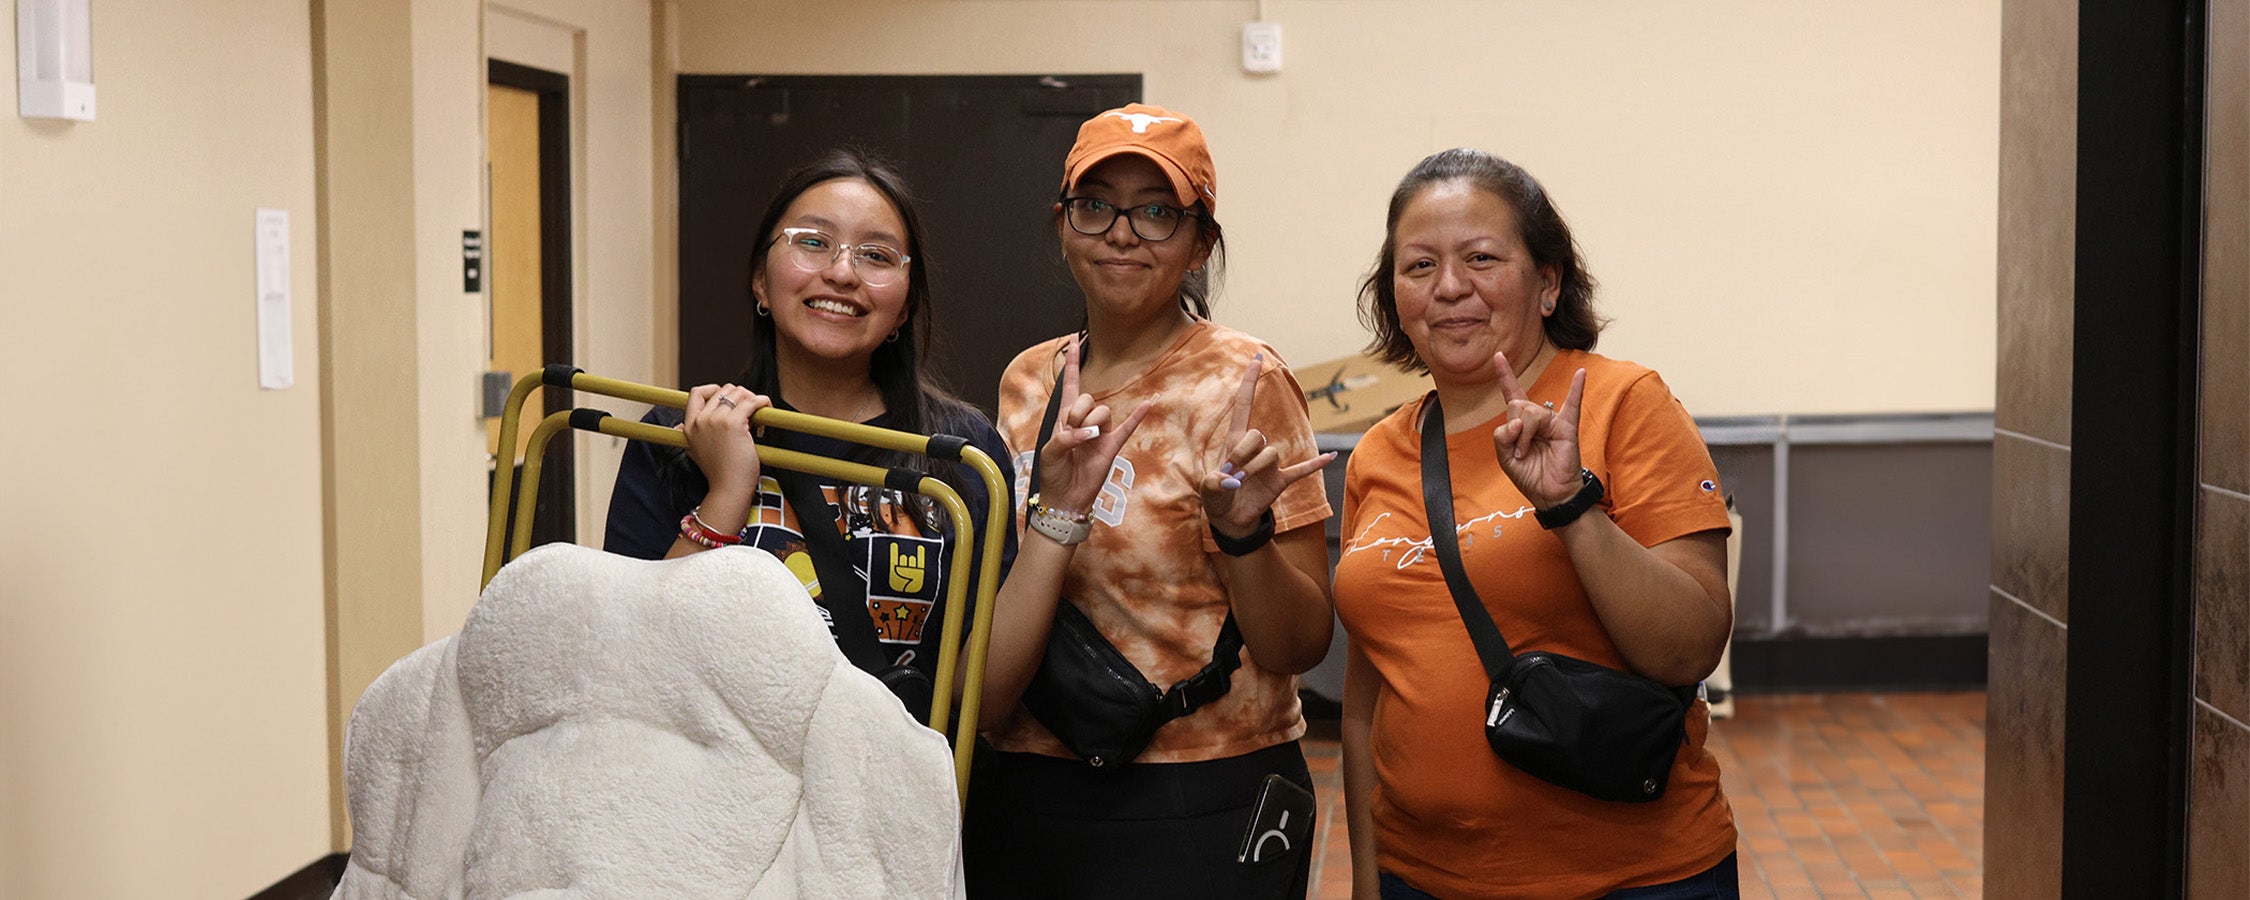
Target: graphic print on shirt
column 1109, row 506
column 909, row 573
column 1402, row 551
column 904, row 571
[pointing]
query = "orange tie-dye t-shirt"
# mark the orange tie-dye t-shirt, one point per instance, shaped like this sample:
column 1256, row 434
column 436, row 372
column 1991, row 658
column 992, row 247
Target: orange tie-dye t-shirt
column 1147, row 577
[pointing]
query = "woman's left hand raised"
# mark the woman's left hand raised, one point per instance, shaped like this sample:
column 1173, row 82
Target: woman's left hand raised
column 1242, row 487
column 1538, row 446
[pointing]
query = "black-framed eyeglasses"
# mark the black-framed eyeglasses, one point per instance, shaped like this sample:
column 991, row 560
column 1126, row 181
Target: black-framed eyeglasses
column 1151, row 221
column 813, row 250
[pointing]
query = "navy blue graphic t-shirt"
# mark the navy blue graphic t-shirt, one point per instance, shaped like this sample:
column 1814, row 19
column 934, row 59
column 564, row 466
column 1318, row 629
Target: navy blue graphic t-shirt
column 903, row 560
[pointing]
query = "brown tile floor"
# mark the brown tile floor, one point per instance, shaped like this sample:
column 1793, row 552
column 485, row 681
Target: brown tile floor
column 1836, row 795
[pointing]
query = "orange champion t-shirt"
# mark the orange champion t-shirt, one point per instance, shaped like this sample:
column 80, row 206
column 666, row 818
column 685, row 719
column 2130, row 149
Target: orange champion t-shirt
column 1452, row 818
column 1146, row 577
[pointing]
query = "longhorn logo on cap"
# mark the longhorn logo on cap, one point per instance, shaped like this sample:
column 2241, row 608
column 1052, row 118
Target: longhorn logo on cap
column 1141, row 121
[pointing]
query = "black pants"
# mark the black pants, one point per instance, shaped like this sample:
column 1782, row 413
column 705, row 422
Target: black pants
column 1042, row 827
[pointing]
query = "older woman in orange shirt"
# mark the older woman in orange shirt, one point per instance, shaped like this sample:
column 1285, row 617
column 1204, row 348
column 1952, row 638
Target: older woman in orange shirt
column 1479, row 283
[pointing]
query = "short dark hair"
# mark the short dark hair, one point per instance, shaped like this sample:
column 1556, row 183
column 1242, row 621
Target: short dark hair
column 1573, row 325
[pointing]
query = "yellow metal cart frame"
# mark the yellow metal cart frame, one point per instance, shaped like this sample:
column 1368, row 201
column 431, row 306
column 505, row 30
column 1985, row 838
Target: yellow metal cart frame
column 946, row 447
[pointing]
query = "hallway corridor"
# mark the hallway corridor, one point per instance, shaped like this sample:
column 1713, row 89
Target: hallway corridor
column 1842, row 795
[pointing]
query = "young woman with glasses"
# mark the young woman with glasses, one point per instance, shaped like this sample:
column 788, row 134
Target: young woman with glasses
column 1206, row 516
column 842, row 288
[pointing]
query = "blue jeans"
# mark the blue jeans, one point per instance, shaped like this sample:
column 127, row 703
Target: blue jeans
column 1720, row 882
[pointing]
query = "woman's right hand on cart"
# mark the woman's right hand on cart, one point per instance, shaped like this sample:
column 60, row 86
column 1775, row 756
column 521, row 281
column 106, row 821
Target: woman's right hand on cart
column 720, row 441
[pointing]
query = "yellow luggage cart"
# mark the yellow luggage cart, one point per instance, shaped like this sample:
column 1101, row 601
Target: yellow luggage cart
column 946, row 447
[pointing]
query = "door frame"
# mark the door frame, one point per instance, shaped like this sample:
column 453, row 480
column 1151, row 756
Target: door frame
column 2129, row 679
column 557, row 517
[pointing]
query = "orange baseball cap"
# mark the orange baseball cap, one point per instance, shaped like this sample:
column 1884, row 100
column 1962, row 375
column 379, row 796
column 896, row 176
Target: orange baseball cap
column 1171, row 139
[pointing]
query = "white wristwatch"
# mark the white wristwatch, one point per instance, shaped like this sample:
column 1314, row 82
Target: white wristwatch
column 1065, row 528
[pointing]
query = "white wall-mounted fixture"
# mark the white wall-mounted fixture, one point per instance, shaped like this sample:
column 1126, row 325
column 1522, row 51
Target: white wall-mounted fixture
column 55, row 59
column 1261, row 47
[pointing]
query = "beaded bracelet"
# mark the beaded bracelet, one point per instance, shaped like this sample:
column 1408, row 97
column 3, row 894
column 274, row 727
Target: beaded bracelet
column 693, row 529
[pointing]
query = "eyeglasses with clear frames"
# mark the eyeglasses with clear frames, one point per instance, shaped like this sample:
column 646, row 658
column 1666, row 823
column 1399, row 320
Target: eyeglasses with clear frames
column 812, row 250
column 1154, row 222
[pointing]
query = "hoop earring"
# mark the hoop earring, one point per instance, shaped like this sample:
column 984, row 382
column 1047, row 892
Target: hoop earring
column 763, row 311
column 893, row 339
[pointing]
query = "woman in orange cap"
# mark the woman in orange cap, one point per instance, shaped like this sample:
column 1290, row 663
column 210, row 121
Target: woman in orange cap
column 1208, row 576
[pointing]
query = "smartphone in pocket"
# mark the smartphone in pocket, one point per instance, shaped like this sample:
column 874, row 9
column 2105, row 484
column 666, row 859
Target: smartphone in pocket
column 1280, row 821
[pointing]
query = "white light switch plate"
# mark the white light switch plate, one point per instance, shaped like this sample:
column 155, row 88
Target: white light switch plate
column 1261, row 47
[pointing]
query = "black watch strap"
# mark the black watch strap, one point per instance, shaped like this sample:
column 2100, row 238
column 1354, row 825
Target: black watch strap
column 1568, row 511
column 1246, row 544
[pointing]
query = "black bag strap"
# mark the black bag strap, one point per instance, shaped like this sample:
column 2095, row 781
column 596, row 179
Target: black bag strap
column 842, row 593
column 1054, row 411
column 1437, row 501
column 1216, row 677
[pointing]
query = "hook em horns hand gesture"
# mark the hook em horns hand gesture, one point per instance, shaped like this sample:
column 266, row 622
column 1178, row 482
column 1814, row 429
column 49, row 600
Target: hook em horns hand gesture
column 1538, row 446
column 1242, row 488
column 1075, row 460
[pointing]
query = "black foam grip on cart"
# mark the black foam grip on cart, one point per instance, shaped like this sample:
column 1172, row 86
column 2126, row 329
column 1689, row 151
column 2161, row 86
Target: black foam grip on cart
column 947, row 446
column 585, row 419
column 905, row 481
column 558, row 374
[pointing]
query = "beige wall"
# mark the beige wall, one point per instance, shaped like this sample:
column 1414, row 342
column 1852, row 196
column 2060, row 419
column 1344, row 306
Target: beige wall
column 168, row 677
column 1790, row 206
column 448, row 121
column 409, row 462
column 609, row 52
column 161, row 656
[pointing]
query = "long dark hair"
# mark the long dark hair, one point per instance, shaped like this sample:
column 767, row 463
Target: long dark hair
column 1572, row 326
column 915, row 399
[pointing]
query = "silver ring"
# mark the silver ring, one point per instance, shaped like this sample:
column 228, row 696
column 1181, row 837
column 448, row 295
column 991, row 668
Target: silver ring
column 729, row 401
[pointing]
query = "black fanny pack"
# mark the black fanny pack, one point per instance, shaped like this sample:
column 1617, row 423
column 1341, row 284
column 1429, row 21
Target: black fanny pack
column 1090, row 696
column 1096, row 701
column 1599, row 731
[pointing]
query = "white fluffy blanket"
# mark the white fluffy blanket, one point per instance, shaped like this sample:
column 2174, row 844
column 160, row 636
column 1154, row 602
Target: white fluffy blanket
column 611, row 727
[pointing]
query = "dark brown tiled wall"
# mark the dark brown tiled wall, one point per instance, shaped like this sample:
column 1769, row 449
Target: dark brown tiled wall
column 2031, row 461
column 2218, row 854
column 2222, row 609
column 2031, row 522
column 2226, row 248
column 2219, row 786
column 2038, row 207
column 2031, row 456
column 2023, row 755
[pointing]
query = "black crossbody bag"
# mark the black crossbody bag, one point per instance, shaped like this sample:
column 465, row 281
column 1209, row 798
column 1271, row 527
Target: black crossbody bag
column 1090, row 696
column 1599, row 731
column 844, row 596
